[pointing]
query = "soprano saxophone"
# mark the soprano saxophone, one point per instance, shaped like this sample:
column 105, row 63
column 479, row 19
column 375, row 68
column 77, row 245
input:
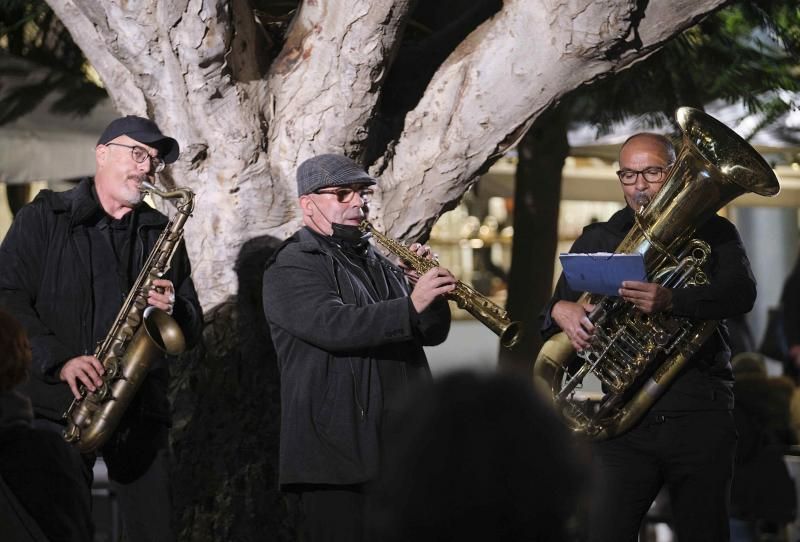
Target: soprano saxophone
column 465, row 296
column 140, row 334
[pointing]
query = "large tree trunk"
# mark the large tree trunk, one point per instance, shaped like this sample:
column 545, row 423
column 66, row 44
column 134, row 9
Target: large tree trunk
column 195, row 67
column 225, row 397
column 536, row 204
column 244, row 121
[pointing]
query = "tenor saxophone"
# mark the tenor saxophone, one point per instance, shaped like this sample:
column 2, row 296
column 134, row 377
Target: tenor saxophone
column 139, row 335
column 482, row 308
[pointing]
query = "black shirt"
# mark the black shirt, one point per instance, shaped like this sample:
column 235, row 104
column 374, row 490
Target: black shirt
column 706, row 381
column 110, row 240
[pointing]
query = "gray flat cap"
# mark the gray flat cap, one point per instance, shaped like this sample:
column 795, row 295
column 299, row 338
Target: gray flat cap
column 329, row 170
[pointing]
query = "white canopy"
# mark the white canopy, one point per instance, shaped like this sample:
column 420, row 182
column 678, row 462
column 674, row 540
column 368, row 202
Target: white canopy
column 43, row 146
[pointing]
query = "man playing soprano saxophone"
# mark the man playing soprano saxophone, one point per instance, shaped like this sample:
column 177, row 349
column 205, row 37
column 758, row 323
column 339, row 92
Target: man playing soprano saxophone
column 686, row 442
column 349, row 340
column 69, row 261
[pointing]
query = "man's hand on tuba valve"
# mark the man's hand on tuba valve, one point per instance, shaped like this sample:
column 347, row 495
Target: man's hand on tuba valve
column 573, row 320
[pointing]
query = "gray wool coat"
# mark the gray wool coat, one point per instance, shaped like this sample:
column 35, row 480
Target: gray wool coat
column 332, row 327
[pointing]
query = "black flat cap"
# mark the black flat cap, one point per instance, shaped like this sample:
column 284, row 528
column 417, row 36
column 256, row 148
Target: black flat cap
column 329, row 170
column 144, row 131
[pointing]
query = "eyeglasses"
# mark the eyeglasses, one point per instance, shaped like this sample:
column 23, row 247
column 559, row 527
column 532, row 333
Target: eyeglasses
column 653, row 174
column 139, row 155
column 345, row 195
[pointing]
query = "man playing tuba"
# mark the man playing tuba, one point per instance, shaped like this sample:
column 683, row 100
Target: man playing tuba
column 686, row 441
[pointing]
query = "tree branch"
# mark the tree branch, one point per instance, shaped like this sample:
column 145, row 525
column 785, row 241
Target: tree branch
column 325, row 84
column 498, row 81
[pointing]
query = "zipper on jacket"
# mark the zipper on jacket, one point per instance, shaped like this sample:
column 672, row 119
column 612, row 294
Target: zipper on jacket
column 356, row 394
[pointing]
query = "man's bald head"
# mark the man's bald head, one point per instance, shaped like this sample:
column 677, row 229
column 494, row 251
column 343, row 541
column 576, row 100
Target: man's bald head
column 644, row 161
column 648, row 139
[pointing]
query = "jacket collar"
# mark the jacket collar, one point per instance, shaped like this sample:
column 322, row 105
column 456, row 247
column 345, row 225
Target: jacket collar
column 314, row 242
column 81, row 205
column 622, row 220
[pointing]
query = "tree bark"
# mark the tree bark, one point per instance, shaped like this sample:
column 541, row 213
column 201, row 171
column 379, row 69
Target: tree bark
column 184, row 64
column 537, row 197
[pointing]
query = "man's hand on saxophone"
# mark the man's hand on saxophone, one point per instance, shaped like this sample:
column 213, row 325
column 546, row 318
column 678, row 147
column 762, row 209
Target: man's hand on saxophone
column 435, row 282
column 162, row 295
column 84, row 370
column 423, row 251
column 428, row 286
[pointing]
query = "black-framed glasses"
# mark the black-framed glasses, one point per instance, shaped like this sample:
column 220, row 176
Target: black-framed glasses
column 345, row 194
column 652, row 174
column 140, row 154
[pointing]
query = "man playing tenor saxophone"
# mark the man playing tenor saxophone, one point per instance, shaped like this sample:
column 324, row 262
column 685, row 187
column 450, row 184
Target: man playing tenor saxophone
column 686, row 441
column 349, row 339
column 69, row 260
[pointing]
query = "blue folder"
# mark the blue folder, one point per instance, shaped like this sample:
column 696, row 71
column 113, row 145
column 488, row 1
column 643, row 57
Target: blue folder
column 601, row 272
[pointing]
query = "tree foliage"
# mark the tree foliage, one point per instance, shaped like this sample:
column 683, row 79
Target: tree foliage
column 30, row 30
column 745, row 53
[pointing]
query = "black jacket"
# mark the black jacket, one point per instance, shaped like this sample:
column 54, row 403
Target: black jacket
column 44, row 474
column 46, row 283
column 335, row 332
column 790, row 302
column 706, row 381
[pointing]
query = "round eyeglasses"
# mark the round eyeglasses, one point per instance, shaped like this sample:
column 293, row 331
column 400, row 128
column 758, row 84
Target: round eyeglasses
column 345, row 195
column 139, row 155
column 653, row 174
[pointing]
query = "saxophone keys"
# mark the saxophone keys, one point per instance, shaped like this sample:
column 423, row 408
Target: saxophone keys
column 103, row 393
column 112, row 367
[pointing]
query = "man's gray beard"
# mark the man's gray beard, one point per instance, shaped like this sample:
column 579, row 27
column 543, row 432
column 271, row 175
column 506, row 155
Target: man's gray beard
column 136, row 198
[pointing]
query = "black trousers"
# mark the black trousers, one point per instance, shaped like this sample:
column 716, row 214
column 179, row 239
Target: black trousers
column 332, row 513
column 691, row 453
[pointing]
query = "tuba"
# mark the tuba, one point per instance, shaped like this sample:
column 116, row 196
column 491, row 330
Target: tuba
column 139, row 335
column 479, row 306
column 636, row 356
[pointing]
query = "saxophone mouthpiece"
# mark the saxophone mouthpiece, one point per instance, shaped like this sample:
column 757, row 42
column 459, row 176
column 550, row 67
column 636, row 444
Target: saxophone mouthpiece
column 147, row 187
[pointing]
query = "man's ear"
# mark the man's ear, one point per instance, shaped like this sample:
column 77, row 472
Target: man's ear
column 306, row 205
column 100, row 153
